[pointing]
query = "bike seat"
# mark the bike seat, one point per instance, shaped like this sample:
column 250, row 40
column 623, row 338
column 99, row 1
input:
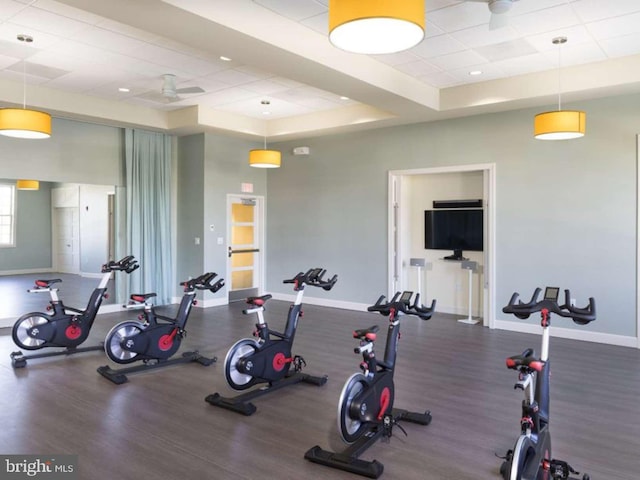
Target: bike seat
column 47, row 283
column 141, row 297
column 368, row 334
column 526, row 359
column 258, row 301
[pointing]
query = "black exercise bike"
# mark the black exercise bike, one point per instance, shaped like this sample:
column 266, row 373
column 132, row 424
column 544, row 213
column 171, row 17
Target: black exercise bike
column 155, row 338
column 269, row 359
column 365, row 409
column 531, row 457
column 64, row 326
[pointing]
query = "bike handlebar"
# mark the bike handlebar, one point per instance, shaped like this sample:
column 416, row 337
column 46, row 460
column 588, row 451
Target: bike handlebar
column 204, row 282
column 313, row 278
column 401, row 302
column 126, row 264
column 581, row 316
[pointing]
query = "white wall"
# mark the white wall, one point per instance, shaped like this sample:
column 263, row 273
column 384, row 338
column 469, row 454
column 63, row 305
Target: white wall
column 446, row 281
column 94, row 227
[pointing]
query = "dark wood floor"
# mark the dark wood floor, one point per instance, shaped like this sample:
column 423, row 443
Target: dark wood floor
column 158, row 425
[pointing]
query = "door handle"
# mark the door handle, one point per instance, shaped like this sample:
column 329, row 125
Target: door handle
column 246, row 250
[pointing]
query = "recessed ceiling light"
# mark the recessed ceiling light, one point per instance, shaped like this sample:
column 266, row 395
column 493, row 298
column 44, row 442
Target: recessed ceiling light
column 266, row 113
column 225, row 59
column 344, row 98
column 124, row 90
column 475, row 72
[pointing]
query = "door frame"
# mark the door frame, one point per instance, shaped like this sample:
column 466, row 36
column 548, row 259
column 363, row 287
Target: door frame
column 260, row 235
column 395, row 214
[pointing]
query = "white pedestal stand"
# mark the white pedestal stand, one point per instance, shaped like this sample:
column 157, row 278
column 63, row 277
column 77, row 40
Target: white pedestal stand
column 420, row 263
column 470, row 267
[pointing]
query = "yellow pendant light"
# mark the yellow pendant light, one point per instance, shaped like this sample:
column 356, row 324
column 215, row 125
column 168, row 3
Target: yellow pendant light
column 28, row 185
column 376, row 26
column 560, row 124
column 21, row 122
column 263, row 158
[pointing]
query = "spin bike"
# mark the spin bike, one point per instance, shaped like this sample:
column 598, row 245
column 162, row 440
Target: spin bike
column 365, row 409
column 268, row 359
column 531, row 457
column 65, row 326
column 154, row 338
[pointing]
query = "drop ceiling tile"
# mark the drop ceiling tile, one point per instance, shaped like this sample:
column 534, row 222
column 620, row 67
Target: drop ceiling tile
column 16, row 50
column 615, row 27
column 535, row 62
column 527, row 6
column 436, row 46
column 234, row 77
column 490, row 71
column 432, row 30
column 265, row 87
column 481, row 35
column 546, row 20
column 67, row 11
column 171, row 59
column 397, row 58
column 9, row 32
column 460, row 16
column 457, row 60
column 59, row 61
column 592, row 10
column 9, row 8
column 48, row 22
column 576, row 54
column 6, row 61
column 110, row 41
column 38, row 70
column 418, row 69
column 18, row 77
column 319, row 23
column 227, row 96
column 505, row 50
column 575, row 35
column 293, row 9
column 437, row 4
column 439, row 80
column 621, row 46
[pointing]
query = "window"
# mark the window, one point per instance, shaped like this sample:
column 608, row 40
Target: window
column 7, row 215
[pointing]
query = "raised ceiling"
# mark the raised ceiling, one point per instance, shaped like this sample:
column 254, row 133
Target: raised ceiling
column 285, row 80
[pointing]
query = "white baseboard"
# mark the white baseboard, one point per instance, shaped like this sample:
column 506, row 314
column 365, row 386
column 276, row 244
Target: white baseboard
column 457, row 310
column 570, row 333
column 212, row 302
column 91, row 275
column 26, row 272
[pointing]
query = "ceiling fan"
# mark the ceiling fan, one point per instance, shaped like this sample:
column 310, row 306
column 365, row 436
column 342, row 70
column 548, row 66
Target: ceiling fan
column 171, row 93
column 498, row 9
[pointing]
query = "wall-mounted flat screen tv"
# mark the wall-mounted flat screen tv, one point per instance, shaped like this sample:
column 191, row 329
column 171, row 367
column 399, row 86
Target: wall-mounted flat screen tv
column 457, row 230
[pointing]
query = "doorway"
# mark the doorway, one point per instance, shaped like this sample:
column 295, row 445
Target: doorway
column 402, row 227
column 245, row 249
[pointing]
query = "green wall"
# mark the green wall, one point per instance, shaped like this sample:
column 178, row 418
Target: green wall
column 565, row 211
column 32, row 249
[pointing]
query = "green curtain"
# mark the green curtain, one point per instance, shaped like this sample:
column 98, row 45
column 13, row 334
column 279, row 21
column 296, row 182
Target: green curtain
column 148, row 171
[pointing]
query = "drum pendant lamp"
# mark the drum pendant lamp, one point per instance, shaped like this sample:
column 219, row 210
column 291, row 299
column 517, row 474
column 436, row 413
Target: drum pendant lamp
column 376, row 26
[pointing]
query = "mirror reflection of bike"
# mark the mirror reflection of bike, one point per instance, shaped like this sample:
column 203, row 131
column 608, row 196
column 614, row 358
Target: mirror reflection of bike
column 365, row 410
column 531, row 458
column 268, row 358
column 155, row 338
column 64, row 326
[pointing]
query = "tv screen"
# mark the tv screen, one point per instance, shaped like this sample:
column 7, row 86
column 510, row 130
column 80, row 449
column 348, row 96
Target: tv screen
column 458, row 229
